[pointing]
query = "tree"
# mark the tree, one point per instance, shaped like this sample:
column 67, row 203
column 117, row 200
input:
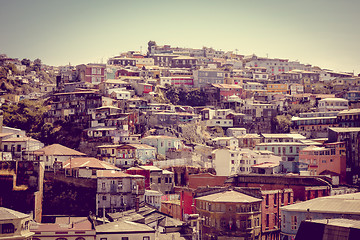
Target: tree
column 25, row 62
column 27, row 115
column 37, row 65
column 282, row 123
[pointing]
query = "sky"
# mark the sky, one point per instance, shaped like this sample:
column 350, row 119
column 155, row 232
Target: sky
column 322, row 33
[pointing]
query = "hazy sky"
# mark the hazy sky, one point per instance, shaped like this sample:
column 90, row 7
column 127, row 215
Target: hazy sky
column 324, row 33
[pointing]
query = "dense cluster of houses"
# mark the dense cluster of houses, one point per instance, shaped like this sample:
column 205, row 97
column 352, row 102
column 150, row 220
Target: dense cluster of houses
column 218, row 171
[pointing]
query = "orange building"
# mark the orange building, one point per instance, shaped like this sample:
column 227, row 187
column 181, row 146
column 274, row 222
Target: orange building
column 331, row 157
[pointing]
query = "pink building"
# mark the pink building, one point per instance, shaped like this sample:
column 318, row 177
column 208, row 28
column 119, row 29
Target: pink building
column 331, row 157
column 91, row 73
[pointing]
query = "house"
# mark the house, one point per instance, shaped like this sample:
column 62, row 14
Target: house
column 123, row 229
column 118, row 191
column 55, row 155
column 333, row 104
column 227, row 162
column 203, row 77
column 349, row 118
column 229, row 214
column 155, row 178
column 183, row 62
column 91, row 73
column 230, row 142
column 331, row 157
column 249, row 140
column 77, row 107
column 71, row 227
column 120, row 94
column 86, row 167
column 21, row 147
column 219, row 122
column 109, row 84
column 314, row 125
column 127, row 155
column 14, row 225
column 289, row 152
column 344, row 206
column 162, row 143
column 153, row 198
column 235, row 132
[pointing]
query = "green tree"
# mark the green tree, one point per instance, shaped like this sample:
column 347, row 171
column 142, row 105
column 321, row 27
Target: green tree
column 26, row 62
column 282, row 123
column 27, row 115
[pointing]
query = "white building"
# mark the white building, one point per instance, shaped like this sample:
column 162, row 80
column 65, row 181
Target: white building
column 153, row 198
column 220, row 123
column 14, row 225
column 120, row 94
column 230, row 142
column 235, row 132
column 227, row 162
column 333, row 104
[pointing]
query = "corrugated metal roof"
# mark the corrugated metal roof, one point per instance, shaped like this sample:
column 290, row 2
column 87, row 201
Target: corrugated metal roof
column 342, row 204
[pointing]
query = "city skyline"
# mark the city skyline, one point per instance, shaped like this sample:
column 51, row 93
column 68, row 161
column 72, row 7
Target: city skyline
column 321, row 33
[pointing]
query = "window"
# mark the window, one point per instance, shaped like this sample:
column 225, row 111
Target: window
column 293, row 222
column 18, row 148
column 124, row 238
column 267, row 220
column 7, row 228
column 159, row 180
column 267, row 200
column 102, row 185
column 146, row 238
column 104, row 198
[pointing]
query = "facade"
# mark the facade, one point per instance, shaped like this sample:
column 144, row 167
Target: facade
column 289, row 152
column 273, row 200
column 162, row 143
column 127, row 155
column 204, row 77
column 14, row 225
column 118, row 191
column 341, row 206
column 349, row 118
column 153, row 198
column 315, row 125
column 77, row 107
column 229, row 214
column 229, row 142
column 21, row 147
column 159, row 180
column 91, row 73
column 333, row 104
column 331, row 157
